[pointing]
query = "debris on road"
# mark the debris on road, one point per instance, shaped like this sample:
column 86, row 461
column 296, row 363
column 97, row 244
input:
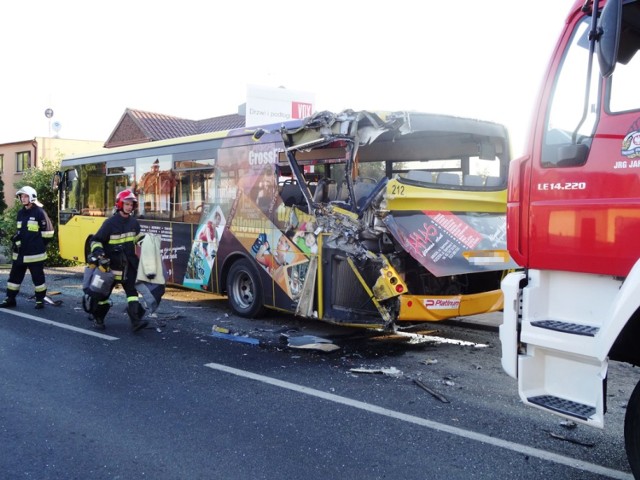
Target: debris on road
column 309, row 342
column 429, row 361
column 391, row 371
column 571, row 440
column 437, row 395
column 426, row 337
column 55, row 303
column 226, row 334
column 236, row 338
column 568, row 424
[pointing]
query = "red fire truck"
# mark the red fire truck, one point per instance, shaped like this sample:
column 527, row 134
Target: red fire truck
column 573, row 224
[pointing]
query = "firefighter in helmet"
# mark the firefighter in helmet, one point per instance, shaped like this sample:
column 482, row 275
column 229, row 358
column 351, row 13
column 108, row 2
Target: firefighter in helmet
column 116, row 239
column 34, row 233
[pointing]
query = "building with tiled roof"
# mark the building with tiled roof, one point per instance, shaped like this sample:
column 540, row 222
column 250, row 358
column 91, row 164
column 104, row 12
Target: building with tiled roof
column 137, row 126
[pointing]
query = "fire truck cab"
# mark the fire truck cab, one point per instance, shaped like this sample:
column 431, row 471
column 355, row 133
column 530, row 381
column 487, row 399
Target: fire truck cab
column 573, row 223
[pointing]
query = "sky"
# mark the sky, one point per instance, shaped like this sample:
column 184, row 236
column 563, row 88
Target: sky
column 89, row 61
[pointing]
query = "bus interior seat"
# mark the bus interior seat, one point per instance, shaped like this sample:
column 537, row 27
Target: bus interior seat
column 473, row 180
column 447, row 178
column 362, row 203
column 420, row 176
column 291, row 194
column 493, row 182
column 332, row 191
column 362, row 190
column 343, row 191
column 319, row 194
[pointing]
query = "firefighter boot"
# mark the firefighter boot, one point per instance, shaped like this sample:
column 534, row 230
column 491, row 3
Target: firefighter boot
column 99, row 314
column 10, row 301
column 40, row 299
column 135, row 312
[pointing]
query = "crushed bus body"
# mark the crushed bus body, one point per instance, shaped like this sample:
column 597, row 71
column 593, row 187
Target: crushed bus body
column 354, row 218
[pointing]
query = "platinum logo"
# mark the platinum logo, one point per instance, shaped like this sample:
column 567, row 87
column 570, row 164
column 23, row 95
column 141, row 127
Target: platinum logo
column 442, row 303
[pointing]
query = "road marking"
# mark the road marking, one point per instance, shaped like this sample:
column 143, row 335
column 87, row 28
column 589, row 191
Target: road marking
column 496, row 442
column 61, row 325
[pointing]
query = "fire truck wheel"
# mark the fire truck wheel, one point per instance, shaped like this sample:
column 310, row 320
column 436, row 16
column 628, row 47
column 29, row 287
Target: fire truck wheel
column 244, row 290
column 632, row 431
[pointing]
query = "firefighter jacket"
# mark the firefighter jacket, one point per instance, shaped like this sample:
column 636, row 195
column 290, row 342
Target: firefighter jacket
column 117, row 237
column 34, row 232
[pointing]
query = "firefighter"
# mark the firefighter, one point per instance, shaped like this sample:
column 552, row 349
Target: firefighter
column 34, row 232
column 116, row 239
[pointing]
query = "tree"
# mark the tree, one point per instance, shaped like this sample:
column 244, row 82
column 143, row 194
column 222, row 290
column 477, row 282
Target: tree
column 3, row 205
column 40, row 179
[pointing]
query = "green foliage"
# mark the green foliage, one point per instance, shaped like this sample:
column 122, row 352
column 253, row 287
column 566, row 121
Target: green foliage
column 3, row 205
column 40, row 179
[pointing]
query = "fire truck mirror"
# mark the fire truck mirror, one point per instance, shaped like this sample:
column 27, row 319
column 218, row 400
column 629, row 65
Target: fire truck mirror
column 609, row 37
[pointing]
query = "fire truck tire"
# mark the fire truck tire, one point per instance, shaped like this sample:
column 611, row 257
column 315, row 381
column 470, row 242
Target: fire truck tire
column 245, row 290
column 632, row 431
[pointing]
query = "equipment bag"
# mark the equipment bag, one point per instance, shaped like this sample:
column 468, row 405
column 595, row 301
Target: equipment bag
column 97, row 282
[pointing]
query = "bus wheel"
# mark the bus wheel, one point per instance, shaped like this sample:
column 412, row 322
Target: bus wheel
column 243, row 289
column 632, row 431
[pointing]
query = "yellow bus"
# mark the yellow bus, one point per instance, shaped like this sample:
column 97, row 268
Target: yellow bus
column 355, row 218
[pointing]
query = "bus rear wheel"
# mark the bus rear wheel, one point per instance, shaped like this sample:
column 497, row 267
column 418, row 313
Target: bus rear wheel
column 632, row 431
column 244, row 290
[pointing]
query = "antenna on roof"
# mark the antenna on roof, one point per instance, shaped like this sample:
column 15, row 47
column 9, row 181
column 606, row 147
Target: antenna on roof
column 49, row 114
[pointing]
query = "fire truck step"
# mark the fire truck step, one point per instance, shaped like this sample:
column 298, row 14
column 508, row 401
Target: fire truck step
column 560, row 405
column 566, row 327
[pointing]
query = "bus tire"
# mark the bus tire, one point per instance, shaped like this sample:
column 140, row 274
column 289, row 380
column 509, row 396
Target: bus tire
column 244, row 290
column 632, row 431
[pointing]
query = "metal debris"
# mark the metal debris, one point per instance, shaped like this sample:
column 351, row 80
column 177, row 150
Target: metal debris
column 437, row 395
column 235, row 338
column 309, row 342
column 429, row 361
column 55, row 303
column 571, row 440
column 391, row 371
column 568, row 424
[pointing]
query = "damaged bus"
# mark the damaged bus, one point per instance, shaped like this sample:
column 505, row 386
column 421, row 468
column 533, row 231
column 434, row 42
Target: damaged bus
column 355, row 218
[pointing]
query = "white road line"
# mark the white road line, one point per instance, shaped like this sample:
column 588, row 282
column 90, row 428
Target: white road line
column 60, row 325
column 496, row 442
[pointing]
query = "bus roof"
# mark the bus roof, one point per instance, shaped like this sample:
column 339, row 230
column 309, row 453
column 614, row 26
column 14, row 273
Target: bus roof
column 405, row 122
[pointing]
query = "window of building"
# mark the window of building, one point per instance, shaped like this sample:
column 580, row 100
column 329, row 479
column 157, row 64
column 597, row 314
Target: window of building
column 1, row 163
column 23, row 161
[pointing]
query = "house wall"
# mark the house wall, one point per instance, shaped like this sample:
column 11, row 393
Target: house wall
column 41, row 148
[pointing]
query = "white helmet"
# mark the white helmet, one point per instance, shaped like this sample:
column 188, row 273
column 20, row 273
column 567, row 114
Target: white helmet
column 33, row 195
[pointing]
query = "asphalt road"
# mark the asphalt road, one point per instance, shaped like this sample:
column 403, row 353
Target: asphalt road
column 175, row 402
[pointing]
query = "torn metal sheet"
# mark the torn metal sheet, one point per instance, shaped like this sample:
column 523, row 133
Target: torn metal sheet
column 310, row 342
column 391, row 371
column 48, row 300
column 235, row 338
